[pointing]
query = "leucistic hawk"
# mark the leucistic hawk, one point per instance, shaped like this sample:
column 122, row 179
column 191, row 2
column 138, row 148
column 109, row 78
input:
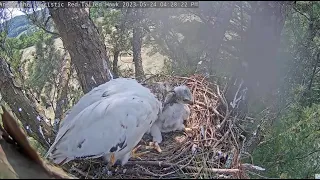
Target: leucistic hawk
column 174, row 113
column 108, row 122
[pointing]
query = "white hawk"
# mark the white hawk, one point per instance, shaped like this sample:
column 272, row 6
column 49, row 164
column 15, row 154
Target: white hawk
column 108, row 122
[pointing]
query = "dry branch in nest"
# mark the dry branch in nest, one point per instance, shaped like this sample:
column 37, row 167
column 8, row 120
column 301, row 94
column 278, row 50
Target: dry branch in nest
column 211, row 150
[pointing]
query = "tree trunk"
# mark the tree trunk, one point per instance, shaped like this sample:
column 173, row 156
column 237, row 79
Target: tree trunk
column 23, row 108
column 81, row 38
column 136, row 46
column 217, row 32
column 62, row 99
column 214, row 31
column 115, row 63
column 118, row 47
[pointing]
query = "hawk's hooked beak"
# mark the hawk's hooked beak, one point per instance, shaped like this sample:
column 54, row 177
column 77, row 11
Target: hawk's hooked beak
column 189, row 101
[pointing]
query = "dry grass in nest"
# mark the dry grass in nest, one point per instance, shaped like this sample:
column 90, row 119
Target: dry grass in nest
column 211, row 150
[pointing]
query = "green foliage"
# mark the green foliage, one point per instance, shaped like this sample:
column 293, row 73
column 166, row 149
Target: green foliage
column 45, row 65
column 96, row 12
column 292, row 146
column 25, row 41
column 299, row 48
column 112, row 19
column 37, row 146
column 13, row 46
column 74, row 95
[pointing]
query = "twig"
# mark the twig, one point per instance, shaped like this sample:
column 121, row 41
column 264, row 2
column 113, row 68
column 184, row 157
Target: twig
column 183, row 151
column 34, row 20
column 220, row 140
column 220, row 97
column 136, row 171
column 233, row 137
column 149, row 172
column 207, row 139
column 226, row 105
column 247, row 166
column 198, row 174
column 210, row 108
column 301, row 13
column 82, row 173
column 177, row 169
column 264, row 177
column 191, row 168
column 206, row 91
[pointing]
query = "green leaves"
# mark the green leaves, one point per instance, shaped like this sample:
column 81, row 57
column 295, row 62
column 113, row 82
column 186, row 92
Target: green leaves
column 111, row 28
column 47, row 61
column 292, row 147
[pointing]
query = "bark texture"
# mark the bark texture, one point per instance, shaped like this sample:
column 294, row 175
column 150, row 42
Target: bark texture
column 62, row 98
column 82, row 40
column 22, row 107
column 137, row 44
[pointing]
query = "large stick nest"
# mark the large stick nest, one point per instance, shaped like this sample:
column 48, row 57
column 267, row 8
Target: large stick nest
column 211, row 150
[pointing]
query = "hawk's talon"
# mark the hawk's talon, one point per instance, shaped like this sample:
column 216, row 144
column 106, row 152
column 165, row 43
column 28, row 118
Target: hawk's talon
column 135, row 149
column 112, row 159
column 154, row 145
column 187, row 129
column 136, row 155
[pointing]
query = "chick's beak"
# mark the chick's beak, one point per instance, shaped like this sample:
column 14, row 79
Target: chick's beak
column 190, row 102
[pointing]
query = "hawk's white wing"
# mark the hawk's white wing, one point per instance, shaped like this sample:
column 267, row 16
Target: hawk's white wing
column 159, row 89
column 114, row 123
column 109, row 88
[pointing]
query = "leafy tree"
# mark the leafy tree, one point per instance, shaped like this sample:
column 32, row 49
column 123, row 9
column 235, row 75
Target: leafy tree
column 291, row 149
column 44, row 66
column 117, row 33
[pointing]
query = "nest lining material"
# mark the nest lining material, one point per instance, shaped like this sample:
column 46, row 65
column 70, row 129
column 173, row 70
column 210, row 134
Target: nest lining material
column 211, row 150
